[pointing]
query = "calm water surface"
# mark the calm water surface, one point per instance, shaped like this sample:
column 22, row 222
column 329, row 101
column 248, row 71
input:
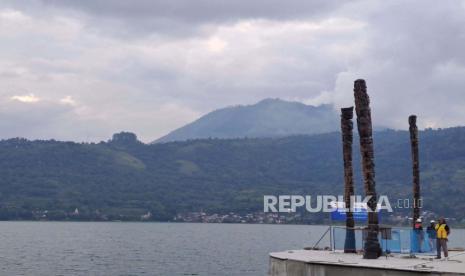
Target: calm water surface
column 98, row 248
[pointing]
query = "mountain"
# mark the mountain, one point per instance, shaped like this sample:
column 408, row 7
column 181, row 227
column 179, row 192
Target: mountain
column 267, row 118
column 123, row 178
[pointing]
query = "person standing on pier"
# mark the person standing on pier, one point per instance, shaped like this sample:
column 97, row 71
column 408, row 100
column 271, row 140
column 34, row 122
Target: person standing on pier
column 419, row 234
column 431, row 231
column 443, row 231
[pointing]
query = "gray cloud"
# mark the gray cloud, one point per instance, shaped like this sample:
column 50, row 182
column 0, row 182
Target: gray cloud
column 175, row 17
column 413, row 63
column 200, row 11
column 151, row 66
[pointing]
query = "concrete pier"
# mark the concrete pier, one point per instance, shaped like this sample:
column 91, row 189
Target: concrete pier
column 329, row 263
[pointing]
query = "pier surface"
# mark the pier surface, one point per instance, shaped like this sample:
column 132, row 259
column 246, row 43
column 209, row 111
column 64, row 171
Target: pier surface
column 328, row 263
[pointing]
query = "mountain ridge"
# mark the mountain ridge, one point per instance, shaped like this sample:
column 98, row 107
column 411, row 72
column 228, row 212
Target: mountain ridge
column 266, row 118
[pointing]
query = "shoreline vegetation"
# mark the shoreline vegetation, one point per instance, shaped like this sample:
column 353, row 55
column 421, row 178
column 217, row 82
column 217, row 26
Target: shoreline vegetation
column 231, row 218
column 125, row 179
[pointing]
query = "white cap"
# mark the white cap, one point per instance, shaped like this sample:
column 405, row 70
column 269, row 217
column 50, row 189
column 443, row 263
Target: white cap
column 433, row 221
column 419, row 220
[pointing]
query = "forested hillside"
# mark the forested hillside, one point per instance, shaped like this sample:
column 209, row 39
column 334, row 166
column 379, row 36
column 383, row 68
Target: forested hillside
column 124, row 178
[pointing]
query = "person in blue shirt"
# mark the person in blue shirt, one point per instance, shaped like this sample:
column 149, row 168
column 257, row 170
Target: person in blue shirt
column 431, row 232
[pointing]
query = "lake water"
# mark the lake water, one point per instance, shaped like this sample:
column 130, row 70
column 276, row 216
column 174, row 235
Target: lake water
column 118, row 248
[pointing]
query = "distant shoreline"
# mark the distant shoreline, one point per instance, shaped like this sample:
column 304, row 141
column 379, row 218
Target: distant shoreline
column 213, row 223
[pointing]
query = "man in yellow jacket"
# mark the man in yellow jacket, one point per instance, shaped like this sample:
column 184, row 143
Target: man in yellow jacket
column 442, row 232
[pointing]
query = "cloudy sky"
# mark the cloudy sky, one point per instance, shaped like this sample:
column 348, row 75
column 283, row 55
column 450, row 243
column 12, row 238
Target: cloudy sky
column 82, row 70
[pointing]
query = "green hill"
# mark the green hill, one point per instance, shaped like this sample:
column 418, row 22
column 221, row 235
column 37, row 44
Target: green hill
column 124, row 178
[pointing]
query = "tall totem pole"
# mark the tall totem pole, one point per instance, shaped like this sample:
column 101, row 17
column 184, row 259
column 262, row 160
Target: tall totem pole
column 412, row 120
column 372, row 249
column 347, row 138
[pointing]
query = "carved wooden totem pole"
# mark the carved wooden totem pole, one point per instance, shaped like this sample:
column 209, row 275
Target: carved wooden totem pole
column 347, row 115
column 372, row 249
column 412, row 120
